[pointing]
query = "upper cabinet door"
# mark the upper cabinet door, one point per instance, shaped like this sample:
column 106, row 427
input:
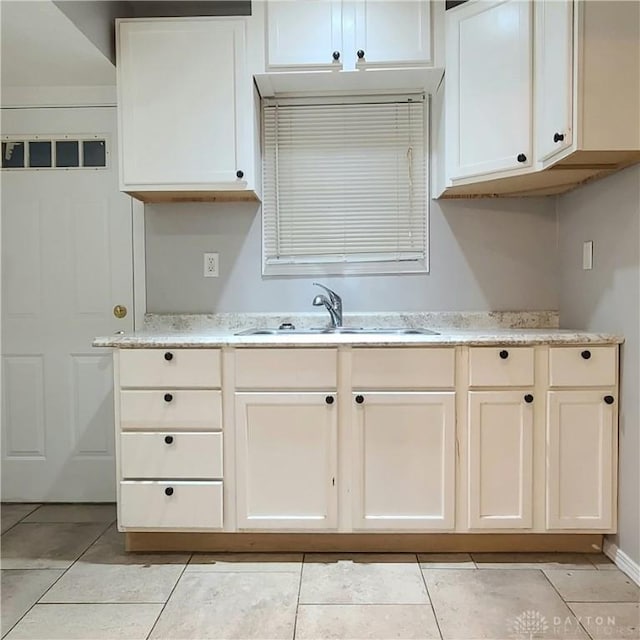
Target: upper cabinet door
column 392, row 32
column 489, row 87
column 304, row 33
column 554, row 77
column 183, row 92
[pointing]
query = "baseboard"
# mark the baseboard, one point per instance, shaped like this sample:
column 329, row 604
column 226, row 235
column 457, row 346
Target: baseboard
column 622, row 560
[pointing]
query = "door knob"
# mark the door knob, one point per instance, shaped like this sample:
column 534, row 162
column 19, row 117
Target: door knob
column 119, row 311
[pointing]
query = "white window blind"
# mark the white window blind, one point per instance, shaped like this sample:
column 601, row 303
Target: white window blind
column 345, row 186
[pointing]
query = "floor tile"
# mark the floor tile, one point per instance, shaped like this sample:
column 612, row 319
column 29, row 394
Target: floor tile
column 446, row 561
column 596, row 586
column 230, row 606
column 109, row 549
column 600, row 561
column 532, row 561
column 366, row 622
column 609, row 620
column 86, row 622
column 247, row 562
column 21, row 589
column 475, row 604
column 73, row 513
column 12, row 513
column 115, row 583
column 362, row 579
column 46, row 546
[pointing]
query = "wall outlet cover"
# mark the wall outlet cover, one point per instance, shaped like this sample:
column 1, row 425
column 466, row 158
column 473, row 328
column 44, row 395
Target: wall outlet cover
column 211, row 265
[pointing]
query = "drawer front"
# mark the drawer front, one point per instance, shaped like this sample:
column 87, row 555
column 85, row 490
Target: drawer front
column 403, row 368
column 170, row 368
column 180, row 409
column 191, row 505
column 171, row 455
column 583, row 366
column 501, row 367
column 286, row 368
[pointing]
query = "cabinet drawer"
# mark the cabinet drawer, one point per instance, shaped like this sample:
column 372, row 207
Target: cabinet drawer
column 403, row 368
column 191, row 505
column 169, row 409
column 501, row 367
column 286, row 368
column 583, row 366
column 169, row 368
column 171, row 455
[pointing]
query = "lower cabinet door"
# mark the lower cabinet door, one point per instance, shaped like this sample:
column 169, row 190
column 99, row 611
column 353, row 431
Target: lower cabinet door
column 404, row 460
column 500, row 455
column 168, row 504
column 581, row 460
column 286, row 460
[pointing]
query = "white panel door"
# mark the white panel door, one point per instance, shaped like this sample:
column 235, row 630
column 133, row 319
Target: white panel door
column 66, row 261
column 404, row 460
column 554, row 77
column 581, row 460
column 304, row 34
column 489, row 87
column 286, row 452
column 500, row 459
column 393, row 32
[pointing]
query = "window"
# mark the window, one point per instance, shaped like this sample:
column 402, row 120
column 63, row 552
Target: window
column 345, row 186
column 54, row 152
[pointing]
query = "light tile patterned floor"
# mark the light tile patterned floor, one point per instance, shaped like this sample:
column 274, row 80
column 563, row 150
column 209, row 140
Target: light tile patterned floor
column 65, row 575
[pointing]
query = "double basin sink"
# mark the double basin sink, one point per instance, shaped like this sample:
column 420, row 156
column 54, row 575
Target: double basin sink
column 377, row 331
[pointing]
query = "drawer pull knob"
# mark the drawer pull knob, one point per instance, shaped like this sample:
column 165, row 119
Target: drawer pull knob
column 168, row 397
column 168, row 356
column 336, row 55
column 586, row 354
column 360, row 54
column 528, row 398
column 329, row 399
column 558, row 137
column 521, row 157
column 168, row 439
column 168, row 491
column 359, row 399
column 504, row 354
column 608, row 399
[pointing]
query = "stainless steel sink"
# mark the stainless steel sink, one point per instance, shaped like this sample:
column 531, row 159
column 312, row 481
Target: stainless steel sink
column 337, row 330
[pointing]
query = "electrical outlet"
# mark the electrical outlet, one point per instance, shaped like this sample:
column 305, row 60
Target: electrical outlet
column 587, row 255
column 211, row 265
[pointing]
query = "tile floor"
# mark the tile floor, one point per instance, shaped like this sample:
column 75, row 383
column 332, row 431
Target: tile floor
column 65, row 575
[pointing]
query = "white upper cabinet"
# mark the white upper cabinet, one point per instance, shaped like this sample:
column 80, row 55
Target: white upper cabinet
column 185, row 107
column 554, row 77
column 329, row 34
column 489, row 88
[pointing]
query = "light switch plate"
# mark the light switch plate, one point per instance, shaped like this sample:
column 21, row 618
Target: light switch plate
column 211, row 265
column 587, row 255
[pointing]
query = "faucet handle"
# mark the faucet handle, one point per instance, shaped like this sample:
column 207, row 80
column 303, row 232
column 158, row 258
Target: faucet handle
column 335, row 298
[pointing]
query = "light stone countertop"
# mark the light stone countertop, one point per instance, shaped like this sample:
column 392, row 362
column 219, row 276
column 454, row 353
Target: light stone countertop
column 474, row 328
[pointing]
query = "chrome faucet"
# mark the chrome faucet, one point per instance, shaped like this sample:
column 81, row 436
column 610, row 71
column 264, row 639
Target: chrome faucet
column 333, row 304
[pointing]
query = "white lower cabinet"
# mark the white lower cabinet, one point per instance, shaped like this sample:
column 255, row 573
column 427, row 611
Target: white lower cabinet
column 403, row 460
column 581, row 459
column 286, row 446
column 500, row 459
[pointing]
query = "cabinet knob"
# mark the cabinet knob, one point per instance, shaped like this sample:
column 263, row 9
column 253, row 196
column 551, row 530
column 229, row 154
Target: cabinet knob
column 360, row 54
column 168, row 356
column 504, row 354
column 359, row 399
column 586, row 354
column 558, row 137
column 336, row 55
column 608, row 399
column 168, row 491
column 329, row 399
column 168, row 397
column 239, row 173
column 521, row 157
column 168, row 439
column 528, row 398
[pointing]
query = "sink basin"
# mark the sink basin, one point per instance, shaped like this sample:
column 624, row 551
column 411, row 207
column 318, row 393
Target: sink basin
column 338, row 330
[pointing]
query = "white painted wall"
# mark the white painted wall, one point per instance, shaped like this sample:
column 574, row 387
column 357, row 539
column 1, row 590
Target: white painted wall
column 485, row 255
column 607, row 298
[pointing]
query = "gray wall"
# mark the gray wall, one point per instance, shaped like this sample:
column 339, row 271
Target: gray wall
column 485, row 255
column 607, row 298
